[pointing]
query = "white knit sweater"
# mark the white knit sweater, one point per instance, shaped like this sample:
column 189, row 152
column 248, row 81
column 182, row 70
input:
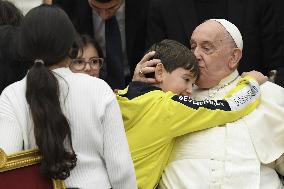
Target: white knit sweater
column 98, row 134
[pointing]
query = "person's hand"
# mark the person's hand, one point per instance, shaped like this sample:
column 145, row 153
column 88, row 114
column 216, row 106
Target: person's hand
column 257, row 75
column 146, row 66
column 115, row 91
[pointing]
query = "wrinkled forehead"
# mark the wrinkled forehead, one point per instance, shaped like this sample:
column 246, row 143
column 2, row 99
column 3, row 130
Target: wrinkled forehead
column 210, row 31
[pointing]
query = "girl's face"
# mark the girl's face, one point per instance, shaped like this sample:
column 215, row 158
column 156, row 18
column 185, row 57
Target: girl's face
column 89, row 63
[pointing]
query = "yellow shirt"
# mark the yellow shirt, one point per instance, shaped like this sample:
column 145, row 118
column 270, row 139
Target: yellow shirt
column 153, row 119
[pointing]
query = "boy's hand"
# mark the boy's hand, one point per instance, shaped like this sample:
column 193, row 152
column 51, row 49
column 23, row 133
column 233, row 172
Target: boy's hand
column 145, row 66
column 257, row 75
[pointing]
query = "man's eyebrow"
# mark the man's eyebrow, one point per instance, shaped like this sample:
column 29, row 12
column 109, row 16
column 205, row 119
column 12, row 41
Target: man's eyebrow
column 203, row 42
column 207, row 43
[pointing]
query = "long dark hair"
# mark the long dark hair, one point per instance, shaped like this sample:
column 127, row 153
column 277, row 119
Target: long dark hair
column 46, row 37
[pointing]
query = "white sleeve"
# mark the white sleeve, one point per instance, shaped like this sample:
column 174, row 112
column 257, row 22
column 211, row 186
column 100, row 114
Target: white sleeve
column 11, row 138
column 266, row 125
column 116, row 151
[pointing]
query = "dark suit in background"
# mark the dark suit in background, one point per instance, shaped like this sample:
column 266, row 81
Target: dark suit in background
column 256, row 19
column 280, row 23
column 136, row 12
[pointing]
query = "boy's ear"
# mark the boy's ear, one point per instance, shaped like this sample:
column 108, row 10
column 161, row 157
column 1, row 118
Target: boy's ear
column 159, row 70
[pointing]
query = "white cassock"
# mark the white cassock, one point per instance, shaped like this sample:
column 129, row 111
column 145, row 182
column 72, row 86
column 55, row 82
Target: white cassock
column 241, row 155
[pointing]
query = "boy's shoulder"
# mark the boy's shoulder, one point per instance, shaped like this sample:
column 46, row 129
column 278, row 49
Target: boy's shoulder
column 138, row 89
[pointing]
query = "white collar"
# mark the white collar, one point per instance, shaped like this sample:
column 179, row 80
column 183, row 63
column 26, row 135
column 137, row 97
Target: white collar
column 227, row 80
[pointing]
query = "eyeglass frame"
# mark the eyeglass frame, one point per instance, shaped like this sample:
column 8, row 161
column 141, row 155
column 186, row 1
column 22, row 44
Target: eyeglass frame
column 85, row 63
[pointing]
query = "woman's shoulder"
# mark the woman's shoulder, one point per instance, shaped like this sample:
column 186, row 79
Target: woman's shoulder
column 79, row 78
column 13, row 96
column 82, row 83
column 88, row 81
column 17, row 86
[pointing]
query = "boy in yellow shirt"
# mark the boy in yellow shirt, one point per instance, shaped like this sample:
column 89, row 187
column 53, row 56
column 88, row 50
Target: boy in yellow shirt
column 155, row 114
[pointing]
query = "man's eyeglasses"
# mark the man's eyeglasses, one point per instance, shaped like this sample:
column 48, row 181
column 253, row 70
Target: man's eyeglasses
column 79, row 64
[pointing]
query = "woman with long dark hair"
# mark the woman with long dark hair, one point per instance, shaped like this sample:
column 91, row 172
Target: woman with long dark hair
column 73, row 118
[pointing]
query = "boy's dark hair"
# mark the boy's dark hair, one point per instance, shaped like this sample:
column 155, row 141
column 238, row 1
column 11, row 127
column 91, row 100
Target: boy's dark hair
column 10, row 14
column 46, row 33
column 175, row 55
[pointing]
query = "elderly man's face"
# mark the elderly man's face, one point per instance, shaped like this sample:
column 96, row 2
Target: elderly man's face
column 106, row 10
column 212, row 50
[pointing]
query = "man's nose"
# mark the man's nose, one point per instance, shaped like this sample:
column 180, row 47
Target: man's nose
column 196, row 52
